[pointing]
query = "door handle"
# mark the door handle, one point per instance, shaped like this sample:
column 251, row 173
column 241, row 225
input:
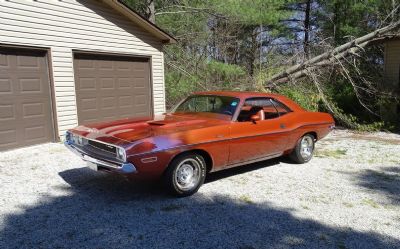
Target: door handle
column 283, row 126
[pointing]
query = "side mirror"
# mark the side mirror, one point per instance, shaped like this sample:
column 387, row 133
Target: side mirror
column 255, row 118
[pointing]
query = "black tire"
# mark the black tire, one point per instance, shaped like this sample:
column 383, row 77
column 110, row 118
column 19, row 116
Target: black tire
column 181, row 170
column 299, row 153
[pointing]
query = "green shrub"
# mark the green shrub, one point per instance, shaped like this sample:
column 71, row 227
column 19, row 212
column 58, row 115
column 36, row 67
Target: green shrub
column 308, row 99
column 210, row 75
column 223, row 73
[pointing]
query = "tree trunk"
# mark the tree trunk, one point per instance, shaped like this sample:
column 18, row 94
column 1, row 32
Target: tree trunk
column 394, row 6
column 336, row 23
column 150, row 11
column 253, row 52
column 307, row 29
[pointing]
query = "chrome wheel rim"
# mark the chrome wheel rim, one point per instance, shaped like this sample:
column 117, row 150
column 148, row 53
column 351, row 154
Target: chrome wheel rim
column 306, row 147
column 187, row 174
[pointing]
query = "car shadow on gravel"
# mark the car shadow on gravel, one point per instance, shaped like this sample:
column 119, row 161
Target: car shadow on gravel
column 386, row 181
column 242, row 170
column 105, row 211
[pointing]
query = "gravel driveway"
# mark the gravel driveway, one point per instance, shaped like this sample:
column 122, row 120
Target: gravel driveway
column 348, row 196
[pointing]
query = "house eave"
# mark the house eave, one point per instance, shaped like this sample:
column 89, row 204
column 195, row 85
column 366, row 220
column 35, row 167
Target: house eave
column 135, row 17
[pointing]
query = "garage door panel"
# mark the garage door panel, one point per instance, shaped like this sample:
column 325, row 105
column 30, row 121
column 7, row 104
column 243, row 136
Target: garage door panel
column 140, row 100
column 85, row 64
column 141, row 114
column 88, row 104
column 114, row 88
column 8, row 138
column 107, row 84
column 140, row 83
column 5, row 86
column 29, row 61
column 5, row 62
column 32, row 85
column 108, row 103
column 124, row 83
column 124, row 68
column 105, row 65
column 125, row 112
column 7, row 112
column 25, row 104
column 35, row 133
column 33, row 110
column 125, row 101
column 86, row 84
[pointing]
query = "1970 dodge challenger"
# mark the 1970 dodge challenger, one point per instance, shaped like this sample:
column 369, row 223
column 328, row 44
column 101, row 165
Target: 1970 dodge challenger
column 206, row 132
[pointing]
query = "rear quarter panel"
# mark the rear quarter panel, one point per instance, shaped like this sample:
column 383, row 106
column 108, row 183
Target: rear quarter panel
column 300, row 123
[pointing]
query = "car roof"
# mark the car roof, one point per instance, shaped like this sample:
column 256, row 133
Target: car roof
column 238, row 94
column 244, row 95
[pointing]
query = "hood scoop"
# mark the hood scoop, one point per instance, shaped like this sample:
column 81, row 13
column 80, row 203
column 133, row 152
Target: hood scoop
column 157, row 123
column 174, row 123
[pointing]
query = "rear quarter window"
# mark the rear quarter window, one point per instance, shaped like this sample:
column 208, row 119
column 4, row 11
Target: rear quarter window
column 280, row 107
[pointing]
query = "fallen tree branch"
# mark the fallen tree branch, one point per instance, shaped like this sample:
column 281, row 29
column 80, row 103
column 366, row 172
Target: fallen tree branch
column 328, row 58
column 323, row 63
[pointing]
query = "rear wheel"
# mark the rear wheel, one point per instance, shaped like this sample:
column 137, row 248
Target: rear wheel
column 185, row 174
column 304, row 150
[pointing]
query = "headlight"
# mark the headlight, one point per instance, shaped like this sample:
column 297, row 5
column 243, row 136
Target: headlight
column 75, row 139
column 81, row 140
column 121, row 154
column 72, row 138
column 68, row 136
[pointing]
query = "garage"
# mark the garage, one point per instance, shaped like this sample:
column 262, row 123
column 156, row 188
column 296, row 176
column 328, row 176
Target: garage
column 75, row 62
column 110, row 87
column 25, row 98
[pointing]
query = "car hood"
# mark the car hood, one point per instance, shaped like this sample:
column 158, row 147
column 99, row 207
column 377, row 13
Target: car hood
column 133, row 129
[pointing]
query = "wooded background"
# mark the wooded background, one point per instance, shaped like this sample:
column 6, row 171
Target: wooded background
column 243, row 44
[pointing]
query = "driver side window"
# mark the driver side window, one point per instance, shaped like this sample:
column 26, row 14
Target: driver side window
column 254, row 105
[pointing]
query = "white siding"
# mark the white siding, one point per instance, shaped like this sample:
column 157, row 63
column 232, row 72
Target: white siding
column 70, row 25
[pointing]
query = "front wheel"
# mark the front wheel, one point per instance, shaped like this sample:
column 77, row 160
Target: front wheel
column 185, row 174
column 304, row 150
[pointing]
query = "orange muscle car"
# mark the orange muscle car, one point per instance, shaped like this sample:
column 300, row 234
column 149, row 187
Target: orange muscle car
column 206, row 132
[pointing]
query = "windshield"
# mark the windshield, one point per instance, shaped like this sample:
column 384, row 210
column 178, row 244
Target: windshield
column 209, row 103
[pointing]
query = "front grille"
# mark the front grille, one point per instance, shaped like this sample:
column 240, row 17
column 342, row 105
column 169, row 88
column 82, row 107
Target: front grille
column 101, row 146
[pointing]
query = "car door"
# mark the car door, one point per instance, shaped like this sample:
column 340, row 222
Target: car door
column 251, row 141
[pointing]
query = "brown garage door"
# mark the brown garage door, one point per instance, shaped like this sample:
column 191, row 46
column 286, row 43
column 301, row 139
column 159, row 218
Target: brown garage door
column 111, row 87
column 25, row 99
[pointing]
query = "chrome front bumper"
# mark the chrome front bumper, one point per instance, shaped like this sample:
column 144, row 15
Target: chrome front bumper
column 122, row 168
